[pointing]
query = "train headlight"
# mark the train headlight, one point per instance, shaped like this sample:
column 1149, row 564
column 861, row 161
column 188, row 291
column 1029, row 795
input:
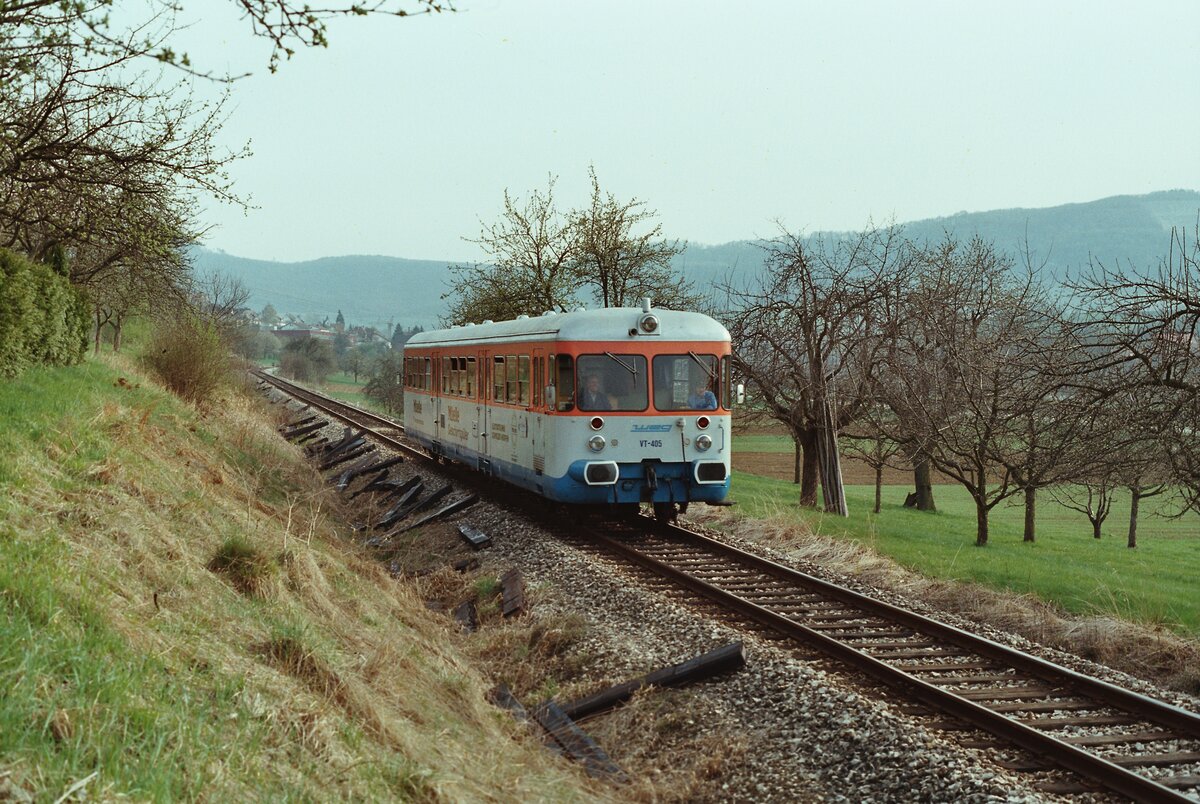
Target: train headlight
column 703, row 442
column 596, row 442
column 649, row 323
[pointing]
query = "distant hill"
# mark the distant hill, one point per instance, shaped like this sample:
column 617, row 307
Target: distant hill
column 376, row 290
column 369, row 290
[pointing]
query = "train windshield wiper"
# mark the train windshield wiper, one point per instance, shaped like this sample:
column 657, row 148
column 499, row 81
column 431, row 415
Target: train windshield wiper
column 631, row 369
column 712, row 375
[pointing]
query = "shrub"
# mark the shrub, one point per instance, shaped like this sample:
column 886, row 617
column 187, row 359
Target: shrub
column 43, row 319
column 190, row 357
column 308, row 359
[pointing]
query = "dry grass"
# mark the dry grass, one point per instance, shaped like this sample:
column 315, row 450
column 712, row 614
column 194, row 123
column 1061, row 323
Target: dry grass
column 663, row 740
column 1143, row 651
column 251, row 571
column 211, row 548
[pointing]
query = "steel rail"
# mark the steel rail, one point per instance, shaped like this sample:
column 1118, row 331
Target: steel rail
column 1107, row 774
column 331, row 406
column 1135, row 703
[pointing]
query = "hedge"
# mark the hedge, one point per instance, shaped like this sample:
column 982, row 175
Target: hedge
column 43, row 318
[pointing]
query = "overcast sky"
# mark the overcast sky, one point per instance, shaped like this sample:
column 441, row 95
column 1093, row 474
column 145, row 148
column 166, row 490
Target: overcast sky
column 404, row 133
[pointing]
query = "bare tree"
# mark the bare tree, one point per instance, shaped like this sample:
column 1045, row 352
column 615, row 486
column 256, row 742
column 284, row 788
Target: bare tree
column 805, row 335
column 1091, row 496
column 870, row 444
column 1143, row 347
column 967, row 335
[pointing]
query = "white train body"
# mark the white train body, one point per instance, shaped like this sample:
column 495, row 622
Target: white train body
column 618, row 405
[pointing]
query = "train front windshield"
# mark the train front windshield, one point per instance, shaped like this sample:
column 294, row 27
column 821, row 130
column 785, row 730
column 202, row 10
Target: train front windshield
column 686, row 382
column 612, row 381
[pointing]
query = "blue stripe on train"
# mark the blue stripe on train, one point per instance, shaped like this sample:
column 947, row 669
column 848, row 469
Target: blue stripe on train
column 675, row 482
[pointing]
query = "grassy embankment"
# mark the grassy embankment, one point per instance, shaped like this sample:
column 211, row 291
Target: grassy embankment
column 1155, row 583
column 180, row 620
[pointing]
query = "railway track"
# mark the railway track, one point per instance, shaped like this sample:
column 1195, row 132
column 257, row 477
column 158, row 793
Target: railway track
column 1112, row 738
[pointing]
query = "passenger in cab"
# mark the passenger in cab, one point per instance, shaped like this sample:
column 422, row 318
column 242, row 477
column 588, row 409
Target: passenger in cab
column 701, row 397
column 593, row 397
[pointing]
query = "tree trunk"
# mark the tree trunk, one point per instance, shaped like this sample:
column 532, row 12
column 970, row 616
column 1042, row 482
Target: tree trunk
column 878, row 488
column 1134, row 500
column 809, row 470
column 922, row 477
column 1096, row 523
column 96, row 334
column 1030, row 512
column 981, row 522
column 117, row 335
column 798, row 450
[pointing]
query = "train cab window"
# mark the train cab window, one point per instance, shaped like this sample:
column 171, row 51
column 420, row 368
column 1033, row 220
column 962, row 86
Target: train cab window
column 564, row 382
column 612, row 381
column 686, row 382
column 470, row 389
column 523, row 379
column 498, row 378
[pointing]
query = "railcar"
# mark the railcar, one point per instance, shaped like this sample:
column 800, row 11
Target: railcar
column 616, row 406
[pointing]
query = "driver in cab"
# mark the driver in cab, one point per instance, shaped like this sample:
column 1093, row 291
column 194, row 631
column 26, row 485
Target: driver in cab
column 593, row 396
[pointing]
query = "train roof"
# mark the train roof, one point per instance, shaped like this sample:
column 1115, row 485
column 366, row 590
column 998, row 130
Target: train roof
column 610, row 323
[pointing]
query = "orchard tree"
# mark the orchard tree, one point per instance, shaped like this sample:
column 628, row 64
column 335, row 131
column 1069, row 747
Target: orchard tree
column 966, row 336
column 806, row 337
column 622, row 256
column 385, row 384
column 541, row 259
column 532, row 249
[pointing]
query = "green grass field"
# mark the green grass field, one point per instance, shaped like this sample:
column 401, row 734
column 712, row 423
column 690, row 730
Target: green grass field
column 1159, row 582
column 343, row 386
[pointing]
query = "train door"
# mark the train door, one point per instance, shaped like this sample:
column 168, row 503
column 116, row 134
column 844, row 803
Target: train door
column 484, row 422
column 473, row 393
column 435, row 392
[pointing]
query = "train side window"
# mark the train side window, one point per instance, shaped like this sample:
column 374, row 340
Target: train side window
column 564, row 384
column 727, row 381
column 470, row 389
column 511, row 394
column 446, row 375
column 427, row 383
column 523, row 379
column 498, row 379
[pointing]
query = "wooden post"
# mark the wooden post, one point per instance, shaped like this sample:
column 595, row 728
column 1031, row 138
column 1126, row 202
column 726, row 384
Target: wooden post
column 832, row 489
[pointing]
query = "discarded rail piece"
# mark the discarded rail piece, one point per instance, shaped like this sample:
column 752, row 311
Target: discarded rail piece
column 722, row 660
column 577, row 744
